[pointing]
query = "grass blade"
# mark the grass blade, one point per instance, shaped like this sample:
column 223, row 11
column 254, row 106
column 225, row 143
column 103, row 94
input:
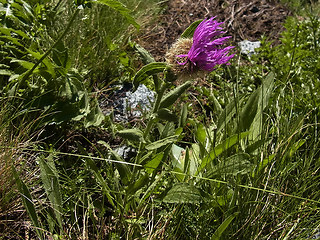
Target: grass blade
column 27, row 201
column 217, row 234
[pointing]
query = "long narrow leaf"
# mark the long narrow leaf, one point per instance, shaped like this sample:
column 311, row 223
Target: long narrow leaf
column 147, row 71
column 27, row 201
column 50, row 179
column 217, row 234
column 221, row 148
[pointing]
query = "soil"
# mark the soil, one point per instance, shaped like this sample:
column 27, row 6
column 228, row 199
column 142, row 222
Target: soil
column 243, row 20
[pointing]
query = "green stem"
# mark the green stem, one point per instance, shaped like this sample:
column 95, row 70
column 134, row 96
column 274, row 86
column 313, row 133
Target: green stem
column 155, row 109
column 150, row 123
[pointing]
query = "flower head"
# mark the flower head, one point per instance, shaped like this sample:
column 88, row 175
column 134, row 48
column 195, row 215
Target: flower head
column 206, row 51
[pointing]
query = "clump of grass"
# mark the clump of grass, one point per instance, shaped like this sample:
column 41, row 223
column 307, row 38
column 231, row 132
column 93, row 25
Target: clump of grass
column 13, row 140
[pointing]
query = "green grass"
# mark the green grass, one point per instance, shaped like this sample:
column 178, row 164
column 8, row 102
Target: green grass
column 240, row 160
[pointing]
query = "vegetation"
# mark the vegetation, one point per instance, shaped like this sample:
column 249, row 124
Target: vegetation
column 236, row 158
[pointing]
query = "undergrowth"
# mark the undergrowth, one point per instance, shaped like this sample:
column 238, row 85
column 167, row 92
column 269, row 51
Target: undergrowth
column 235, row 158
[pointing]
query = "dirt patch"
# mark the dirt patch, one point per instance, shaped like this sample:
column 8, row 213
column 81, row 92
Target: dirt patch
column 244, row 19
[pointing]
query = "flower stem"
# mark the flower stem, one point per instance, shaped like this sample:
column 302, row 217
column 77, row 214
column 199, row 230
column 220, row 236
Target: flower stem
column 150, row 123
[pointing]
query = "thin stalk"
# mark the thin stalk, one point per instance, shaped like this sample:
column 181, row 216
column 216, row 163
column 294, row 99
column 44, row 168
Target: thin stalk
column 155, row 109
column 150, row 123
column 293, row 53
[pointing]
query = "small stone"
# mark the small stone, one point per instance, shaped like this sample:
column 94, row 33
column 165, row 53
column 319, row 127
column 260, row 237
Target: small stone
column 125, row 152
column 248, row 47
column 126, row 104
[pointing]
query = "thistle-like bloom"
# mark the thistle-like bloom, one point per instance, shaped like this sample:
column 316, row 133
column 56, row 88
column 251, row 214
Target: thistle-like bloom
column 206, row 51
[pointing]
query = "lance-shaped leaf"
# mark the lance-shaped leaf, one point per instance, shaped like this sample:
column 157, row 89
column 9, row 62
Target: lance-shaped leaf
column 131, row 134
column 153, row 163
column 145, row 55
column 172, row 96
column 147, row 71
column 162, row 142
column 188, row 33
column 166, row 114
column 50, row 180
column 27, row 201
column 229, row 142
column 218, row 233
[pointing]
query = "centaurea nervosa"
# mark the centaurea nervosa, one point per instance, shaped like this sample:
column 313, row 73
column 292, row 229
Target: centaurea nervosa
column 206, row 51
column 201, row 53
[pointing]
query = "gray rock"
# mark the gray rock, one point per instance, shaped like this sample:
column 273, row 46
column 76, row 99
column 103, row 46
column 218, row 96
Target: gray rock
column 125, row 152
column 248, row 47
column 127, row 104
column 138, row 101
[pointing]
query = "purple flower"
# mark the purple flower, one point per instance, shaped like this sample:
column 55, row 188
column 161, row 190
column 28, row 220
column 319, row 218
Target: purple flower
column 206, row 51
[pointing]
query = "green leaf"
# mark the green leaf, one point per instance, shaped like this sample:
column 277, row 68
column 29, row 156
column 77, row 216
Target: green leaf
column 183, row 115
column 147, row 71
column 27, row 201
column 153, row 163
column 156, row 183
column 178, row 156
column 218, row 233
column 166, row 114
column 183, row 193
column 201, row 134
column 172, row 96
column 234, row 165
column 122, row 168
column 251, row 114
column 162, row 142
column 5, row 72
column 25, row 64
column 138, row 184
column 226, row 115
column 7, row 31
column 50, row 180
column 188, row 33
column 228, row 143
column 122, row 9
column 131, row 134
column 105, row 188
column 10, row 39
column 145, row 55
column 46, row 62
column 264, row 93
column 296, row 146
column 95, row 117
